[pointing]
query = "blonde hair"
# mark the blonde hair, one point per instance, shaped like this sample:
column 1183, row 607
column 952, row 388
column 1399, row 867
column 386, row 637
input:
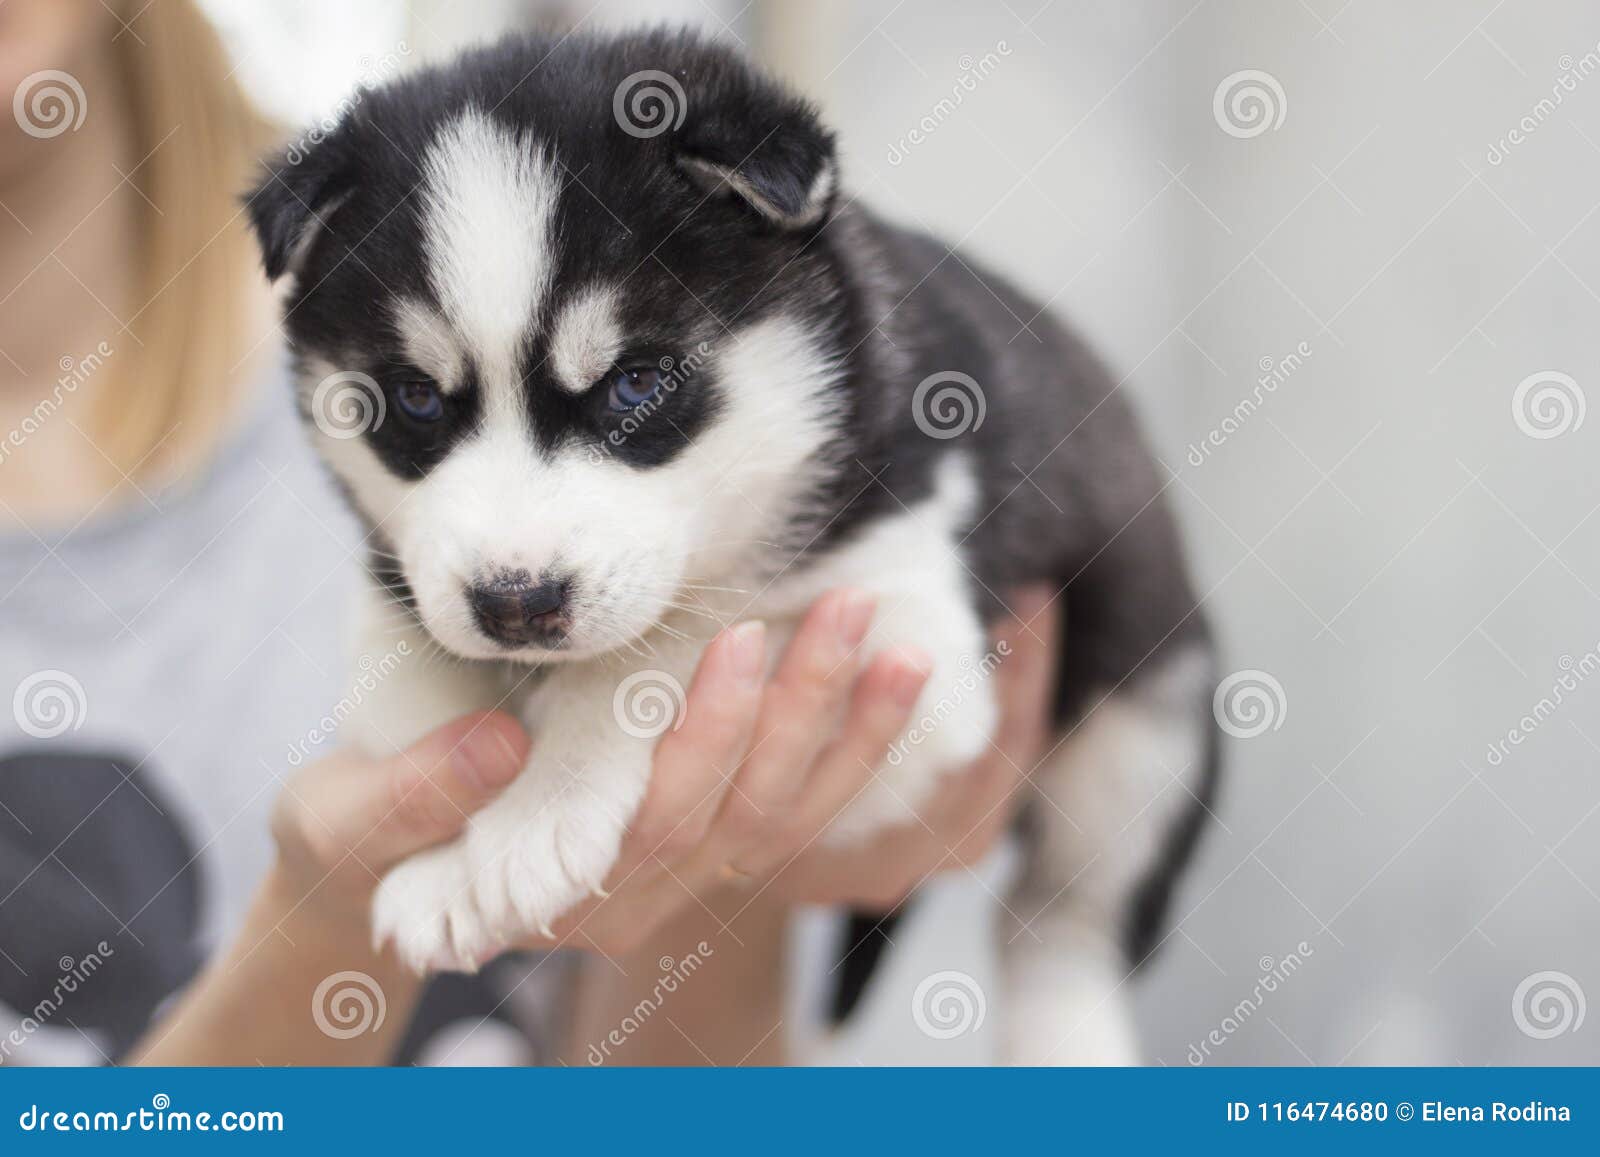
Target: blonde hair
column 195, row 287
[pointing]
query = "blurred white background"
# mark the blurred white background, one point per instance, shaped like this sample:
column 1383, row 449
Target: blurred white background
column 1400, row 538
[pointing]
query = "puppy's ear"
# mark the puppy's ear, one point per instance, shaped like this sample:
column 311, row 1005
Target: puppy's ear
column 743, row 135
column 296, row 189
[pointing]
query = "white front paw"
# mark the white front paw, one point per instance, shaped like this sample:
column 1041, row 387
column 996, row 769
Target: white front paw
column 453, row 907
column 423, row 907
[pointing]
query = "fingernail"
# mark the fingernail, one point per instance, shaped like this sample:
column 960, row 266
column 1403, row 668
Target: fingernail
column 749, row 650
column 915, row 667
column 484, row 759
column 855, row 614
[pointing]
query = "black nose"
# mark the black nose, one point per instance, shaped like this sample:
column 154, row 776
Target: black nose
column 515, row 610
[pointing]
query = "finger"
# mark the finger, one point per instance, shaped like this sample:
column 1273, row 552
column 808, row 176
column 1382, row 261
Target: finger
column 394, row 807
column 880, row 711
column 969, row 811
column 800, row 708
column 880, row 706
column 693, row 765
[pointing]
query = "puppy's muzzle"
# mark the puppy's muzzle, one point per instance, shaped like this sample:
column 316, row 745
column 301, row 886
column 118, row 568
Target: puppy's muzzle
column 516, row 611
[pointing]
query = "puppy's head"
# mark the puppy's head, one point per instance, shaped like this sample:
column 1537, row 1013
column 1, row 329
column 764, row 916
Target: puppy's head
column 561, row 329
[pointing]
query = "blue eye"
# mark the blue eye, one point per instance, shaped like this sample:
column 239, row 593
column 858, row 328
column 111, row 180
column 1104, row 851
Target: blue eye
column 630, row 389
column 420, row 401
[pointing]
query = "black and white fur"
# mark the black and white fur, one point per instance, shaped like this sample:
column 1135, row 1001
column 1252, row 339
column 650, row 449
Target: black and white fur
column 491, row 228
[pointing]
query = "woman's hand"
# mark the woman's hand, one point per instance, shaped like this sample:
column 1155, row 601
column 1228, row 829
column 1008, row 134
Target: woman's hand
column 742, row 790
column 962, row 821
column 753, row 761
column 724, row 861
column 265, row 998
column 342, row 822
column 737, row 797
column 738, row 793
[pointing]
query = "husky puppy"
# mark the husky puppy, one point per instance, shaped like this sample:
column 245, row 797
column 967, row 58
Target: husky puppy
column 604, row 360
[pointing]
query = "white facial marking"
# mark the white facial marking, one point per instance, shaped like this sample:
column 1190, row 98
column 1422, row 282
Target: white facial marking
column 587, row 338
column 488, row 200
column 429, row 342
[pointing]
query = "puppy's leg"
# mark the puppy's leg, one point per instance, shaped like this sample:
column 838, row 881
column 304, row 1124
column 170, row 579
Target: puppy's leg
column 551, row 838
column 403, row 685
column 1110, row 802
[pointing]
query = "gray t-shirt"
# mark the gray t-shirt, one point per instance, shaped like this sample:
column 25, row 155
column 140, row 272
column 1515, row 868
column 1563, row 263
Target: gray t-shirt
column 158, row 664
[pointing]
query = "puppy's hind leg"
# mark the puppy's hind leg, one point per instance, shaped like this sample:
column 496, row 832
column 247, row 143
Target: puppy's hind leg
column 1115, row 812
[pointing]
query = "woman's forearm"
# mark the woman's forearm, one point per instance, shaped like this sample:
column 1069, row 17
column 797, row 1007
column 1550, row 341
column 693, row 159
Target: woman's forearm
column 258, row 1001
column 695, row 993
